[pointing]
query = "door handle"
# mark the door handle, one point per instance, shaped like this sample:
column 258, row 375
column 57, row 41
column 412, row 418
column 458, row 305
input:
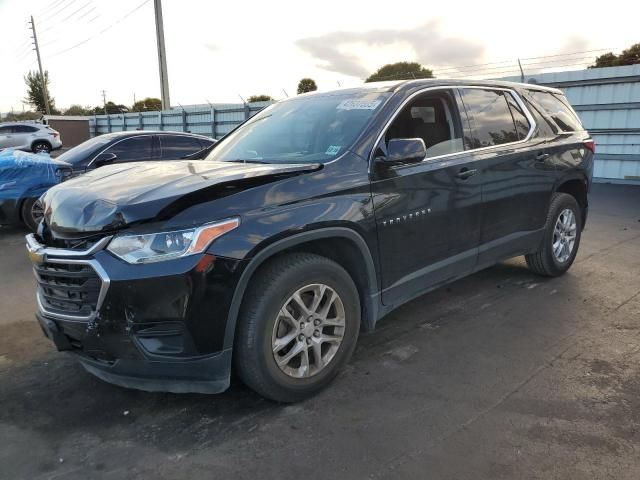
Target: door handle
column 541, row 157
column 465, row 173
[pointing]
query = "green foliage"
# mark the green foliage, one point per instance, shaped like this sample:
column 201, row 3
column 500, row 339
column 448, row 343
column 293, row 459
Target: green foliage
column 630, row 56
column 111, row 108
column 18, row 116
column 400, row 71
column 78, row 110
column 35, row 93
column 259, row 98
column 149, row 104
column 307, row 85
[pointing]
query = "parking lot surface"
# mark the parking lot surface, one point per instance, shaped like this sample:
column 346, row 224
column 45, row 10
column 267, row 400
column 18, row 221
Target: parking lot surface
column 500, row 375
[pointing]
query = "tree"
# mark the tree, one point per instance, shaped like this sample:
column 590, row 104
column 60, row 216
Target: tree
column 149, row 104
column 259, row 98
column 630, row 56
column 307, row 85
column 111, row 108
column 400, row 71
column 18, row 116
column 78, row 110
column 35, row 93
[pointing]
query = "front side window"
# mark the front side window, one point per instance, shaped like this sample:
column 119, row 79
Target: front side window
column 558, row 110
column 490, row 116
column 434, row 118
column 175, row 147
column 133, row 149
column 312, row 129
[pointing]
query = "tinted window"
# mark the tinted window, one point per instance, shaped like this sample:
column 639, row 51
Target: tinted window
column 561, row 113
column 432, row 117
column 80, row 155
column 4, row 130
column 24, row 129
column 306, row 129
column 178, row 146
column 133, row 149
column 490, row 116
column 519, row 118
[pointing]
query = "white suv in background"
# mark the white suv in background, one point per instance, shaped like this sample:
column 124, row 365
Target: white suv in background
column 35, row 137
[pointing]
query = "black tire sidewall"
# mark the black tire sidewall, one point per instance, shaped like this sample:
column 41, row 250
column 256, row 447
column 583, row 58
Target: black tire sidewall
column 560, row 203
column 274, row 296
column 27, row 217
column 47, row 148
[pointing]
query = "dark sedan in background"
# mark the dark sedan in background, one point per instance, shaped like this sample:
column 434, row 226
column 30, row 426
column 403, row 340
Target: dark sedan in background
column 20, row 189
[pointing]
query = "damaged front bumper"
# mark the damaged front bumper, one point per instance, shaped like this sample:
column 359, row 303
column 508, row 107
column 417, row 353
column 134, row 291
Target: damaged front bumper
column 154, row 327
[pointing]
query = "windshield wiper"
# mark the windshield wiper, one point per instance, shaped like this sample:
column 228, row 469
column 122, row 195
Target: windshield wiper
column 240, row 160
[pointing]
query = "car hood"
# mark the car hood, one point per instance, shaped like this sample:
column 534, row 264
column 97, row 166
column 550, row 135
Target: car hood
column 112, row 197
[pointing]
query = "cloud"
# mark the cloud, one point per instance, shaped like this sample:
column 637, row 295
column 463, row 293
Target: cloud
column 431, row 47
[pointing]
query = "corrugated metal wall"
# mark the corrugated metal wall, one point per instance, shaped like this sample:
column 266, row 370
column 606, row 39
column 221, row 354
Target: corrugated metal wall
column 608, row 102
column 211, row 120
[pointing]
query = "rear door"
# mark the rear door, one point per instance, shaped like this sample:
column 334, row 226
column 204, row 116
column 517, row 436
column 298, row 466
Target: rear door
column 176, row 147
column 24, row 135
column 427, row 214
column 517, row 175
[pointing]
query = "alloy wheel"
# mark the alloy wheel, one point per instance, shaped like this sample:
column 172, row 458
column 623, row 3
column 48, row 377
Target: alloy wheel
column 308, row 331
column 564, row 235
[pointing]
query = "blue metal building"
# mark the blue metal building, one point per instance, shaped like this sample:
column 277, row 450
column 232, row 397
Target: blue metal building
column 608, row 102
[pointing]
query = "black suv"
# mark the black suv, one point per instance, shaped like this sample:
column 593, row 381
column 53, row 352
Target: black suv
column 305, row 225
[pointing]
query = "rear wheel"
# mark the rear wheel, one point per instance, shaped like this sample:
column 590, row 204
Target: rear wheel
column 32, row 213
column 298, row 326
column 561, row 237
column 41, row 147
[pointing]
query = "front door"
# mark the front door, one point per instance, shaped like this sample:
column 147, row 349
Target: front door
column 427, row 214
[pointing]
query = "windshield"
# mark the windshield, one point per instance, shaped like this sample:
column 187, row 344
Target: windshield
column 312, row 129
column 80, row 154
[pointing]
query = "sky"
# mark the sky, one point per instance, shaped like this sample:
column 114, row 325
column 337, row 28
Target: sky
column 221, row 51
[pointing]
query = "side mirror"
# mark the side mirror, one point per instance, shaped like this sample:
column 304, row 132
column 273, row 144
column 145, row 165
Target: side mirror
column 404, row 150
column 104, row 159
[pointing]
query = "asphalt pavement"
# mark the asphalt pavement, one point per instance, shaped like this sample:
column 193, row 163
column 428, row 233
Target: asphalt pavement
column 502, row 375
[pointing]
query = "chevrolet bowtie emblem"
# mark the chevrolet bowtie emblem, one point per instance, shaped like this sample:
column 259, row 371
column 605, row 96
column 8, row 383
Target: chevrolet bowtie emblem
column 37, row 256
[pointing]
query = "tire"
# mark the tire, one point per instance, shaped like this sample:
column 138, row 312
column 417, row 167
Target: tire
column 41, row 147
column 546, row 261
column 261, row 325
column 31, row 213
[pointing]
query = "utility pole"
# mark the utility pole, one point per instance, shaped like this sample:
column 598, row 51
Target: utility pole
column 521, row 72
column 42, row 79
column 162, row 57
column 104, row 101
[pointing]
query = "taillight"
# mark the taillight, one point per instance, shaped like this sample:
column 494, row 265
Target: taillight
column 591, row 145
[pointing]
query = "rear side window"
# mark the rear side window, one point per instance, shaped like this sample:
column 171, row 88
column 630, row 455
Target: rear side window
column 133, row 149
column 24, row 129
column 557, row 108
column 519, row 118
column 491, row 117
column 174, row 147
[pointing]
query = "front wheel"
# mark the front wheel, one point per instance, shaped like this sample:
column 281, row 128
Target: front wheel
column 32, row 213
column 561, row 237
column 298, row 326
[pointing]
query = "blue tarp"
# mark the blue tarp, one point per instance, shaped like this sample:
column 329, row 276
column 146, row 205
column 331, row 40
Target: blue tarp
column 24, row 175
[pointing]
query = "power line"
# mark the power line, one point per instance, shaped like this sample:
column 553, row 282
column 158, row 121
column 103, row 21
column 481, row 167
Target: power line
column 101, row 31
column 474, row 67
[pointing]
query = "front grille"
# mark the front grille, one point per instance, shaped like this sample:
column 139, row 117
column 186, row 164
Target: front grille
column 68, row 288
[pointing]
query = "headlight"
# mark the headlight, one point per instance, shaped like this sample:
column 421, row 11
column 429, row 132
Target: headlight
column 155, row 247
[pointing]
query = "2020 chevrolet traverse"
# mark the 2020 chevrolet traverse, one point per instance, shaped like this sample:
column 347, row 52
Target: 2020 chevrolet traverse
column 305, row 225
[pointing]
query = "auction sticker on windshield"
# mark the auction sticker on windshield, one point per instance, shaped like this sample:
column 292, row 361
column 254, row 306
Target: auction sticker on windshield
column 358, row 105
